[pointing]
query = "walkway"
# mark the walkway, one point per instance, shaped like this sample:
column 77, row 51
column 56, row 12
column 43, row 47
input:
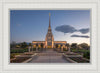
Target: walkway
column 49, row 56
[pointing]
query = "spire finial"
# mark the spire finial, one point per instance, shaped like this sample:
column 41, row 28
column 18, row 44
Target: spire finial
column 49, row 14
column 49, row 20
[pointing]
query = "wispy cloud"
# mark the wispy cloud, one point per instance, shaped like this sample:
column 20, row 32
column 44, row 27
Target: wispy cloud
column 82, row 36
column 65, row 29
column 18, row 24
column 70, row 29
column 84, row 31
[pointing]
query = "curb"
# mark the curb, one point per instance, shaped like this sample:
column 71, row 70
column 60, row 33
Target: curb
column 70, row 60
column 26, row 61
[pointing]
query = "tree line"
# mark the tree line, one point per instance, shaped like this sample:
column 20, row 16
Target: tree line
column 72, row 46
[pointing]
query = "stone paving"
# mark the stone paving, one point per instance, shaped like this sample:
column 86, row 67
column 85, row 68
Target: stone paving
column 49, row 56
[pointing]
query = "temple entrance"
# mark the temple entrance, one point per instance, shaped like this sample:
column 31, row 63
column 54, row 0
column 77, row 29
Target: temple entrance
column 49, row 47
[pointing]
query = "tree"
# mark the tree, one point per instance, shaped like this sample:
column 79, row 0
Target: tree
column 74, row 45
column 23, row 45
column 36, row 44
column 30, row 44
column 67, row 45
column 79, row 47
column 56, row 45
column 42, row 45
column 61, row 45
column 13, row 44
column 18, row 46
column 87, row 54
column 84, row 46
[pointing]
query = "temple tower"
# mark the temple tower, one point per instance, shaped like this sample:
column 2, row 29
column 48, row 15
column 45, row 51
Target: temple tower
column 49, row 40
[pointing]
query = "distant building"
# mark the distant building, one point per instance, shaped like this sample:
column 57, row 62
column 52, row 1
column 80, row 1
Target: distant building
column 49, row 40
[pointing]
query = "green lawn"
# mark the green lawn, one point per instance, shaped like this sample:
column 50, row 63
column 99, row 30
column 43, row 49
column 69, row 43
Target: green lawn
column 86, row 53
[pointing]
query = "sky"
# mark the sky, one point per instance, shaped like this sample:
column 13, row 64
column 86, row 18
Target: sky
column 72, row 26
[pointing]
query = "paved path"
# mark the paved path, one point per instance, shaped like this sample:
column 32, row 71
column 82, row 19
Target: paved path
column 49, row 56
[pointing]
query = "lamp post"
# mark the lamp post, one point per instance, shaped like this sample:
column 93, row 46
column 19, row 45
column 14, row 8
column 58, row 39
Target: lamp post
column 36, row 47
column 29, row 48
column 69, row 48
column 61, row 48
column 32, row 48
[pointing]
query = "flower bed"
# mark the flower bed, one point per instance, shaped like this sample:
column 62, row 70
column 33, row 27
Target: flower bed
column 28, row 53
column 79, row 59
column 13, row 55
column 19, row 59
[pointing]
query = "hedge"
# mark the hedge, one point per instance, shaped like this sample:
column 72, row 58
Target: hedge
column 18, row 50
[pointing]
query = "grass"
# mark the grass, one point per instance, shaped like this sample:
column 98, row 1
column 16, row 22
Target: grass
column 79, row 59
column 19, row 60
column 80, row 50
column 12, row 55
column 86, row 53
column 14, row 52
column 19, row 50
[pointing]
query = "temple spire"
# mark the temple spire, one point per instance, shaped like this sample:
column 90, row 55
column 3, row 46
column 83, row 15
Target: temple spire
column 49, row 20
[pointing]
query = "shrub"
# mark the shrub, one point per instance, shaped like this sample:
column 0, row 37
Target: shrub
column 26, row 50
column 65, row 49
column 18, row 50
column 87, row 55
column 34, row 49
column 12, row 55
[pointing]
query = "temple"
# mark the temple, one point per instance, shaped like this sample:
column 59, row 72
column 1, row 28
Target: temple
column 49, row 40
